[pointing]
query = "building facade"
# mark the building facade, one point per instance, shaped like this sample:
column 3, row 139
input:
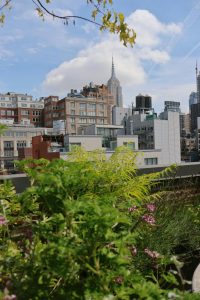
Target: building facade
column 21, row 109
column 15, row 138
column 192, row 99
column 159, row 133
column 93, row 105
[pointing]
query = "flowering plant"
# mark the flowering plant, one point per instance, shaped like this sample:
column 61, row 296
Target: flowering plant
column 72, row 234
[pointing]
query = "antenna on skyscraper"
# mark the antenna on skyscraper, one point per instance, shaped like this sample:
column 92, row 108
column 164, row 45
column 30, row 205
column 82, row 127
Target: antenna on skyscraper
column 196, row 69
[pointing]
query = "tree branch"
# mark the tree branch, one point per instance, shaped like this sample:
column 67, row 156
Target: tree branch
column 63, row 17
column 5, row 4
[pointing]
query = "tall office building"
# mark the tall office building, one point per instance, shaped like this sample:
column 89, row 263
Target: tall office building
column 198, row 83
column 114, row 87
column 192, row 99
column 195, row 108
column 172, row 106
column 198, row 88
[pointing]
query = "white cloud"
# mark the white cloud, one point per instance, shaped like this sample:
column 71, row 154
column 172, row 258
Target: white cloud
column 94, row 62
column 5, row 54
column 5, row 42
column 155, row 55
column 149, row 29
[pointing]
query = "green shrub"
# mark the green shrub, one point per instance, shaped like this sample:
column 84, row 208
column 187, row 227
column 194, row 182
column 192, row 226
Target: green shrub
column 79, row 232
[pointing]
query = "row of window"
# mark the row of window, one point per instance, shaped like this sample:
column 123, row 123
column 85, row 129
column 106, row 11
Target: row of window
column 84, row 106
column 10, row 144
column 86, row 120
column 23, row 112
column 88, row 113
column 16, row 133
column 22, row 105
column 7, row 112
column 151, row 161
column 14, row 98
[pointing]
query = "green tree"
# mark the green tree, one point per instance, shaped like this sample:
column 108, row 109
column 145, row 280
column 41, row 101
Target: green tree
column 102, row 15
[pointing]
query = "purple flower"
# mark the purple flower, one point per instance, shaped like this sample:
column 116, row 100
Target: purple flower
column 133, row 250
column 133, row 208
column 151, row 207
column 3, row 221
column 118, row 280
column 152, row 254
column 10, row 297
column 149, row 219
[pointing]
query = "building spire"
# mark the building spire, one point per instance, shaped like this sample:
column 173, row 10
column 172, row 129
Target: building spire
column 113, row 69
column 196, row 69
column 198, row 83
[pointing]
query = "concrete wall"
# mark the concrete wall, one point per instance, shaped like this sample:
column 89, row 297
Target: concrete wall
column 127, row 139
column 89, row 142
column 167, row 138
column 142, row 154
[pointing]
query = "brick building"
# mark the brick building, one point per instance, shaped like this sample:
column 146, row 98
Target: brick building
column 15, row 138
column 21, row 109
column 93, row 105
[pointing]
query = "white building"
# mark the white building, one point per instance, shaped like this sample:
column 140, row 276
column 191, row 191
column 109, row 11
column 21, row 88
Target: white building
column 94, row 142
column 161, row 134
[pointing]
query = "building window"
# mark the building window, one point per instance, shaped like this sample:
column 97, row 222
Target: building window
column 24, row 112
column 101, row 121
column 92, row 121
column 36, row 113
column 72, row 112
column 23, row 105
column 83, row 120
column 3, row 104
column 92, row 106
column 82, row 106
column 21, row 133
column 91, row 113
column 151, row 161
column 3, row 112
column 8, row 133
column 10, row 113
column 101, row 106
column 72, row 104
column 82, row 113
column 8, row 153
column 21, row 144
column 72, row 120
column 130, row 145
column 8, row 144
column 61, row 106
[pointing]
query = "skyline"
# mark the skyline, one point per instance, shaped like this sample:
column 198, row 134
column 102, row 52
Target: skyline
column 53, row 58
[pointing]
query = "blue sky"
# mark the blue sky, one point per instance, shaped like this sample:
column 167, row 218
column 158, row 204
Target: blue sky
column 45, row 57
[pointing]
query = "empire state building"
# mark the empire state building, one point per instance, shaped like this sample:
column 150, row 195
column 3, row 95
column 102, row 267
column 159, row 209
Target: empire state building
column 115, row 88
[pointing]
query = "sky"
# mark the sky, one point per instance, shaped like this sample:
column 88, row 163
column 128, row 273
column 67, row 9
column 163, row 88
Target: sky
column 44, row 58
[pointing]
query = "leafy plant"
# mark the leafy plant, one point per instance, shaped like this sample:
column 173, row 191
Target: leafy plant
column 76, row 232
